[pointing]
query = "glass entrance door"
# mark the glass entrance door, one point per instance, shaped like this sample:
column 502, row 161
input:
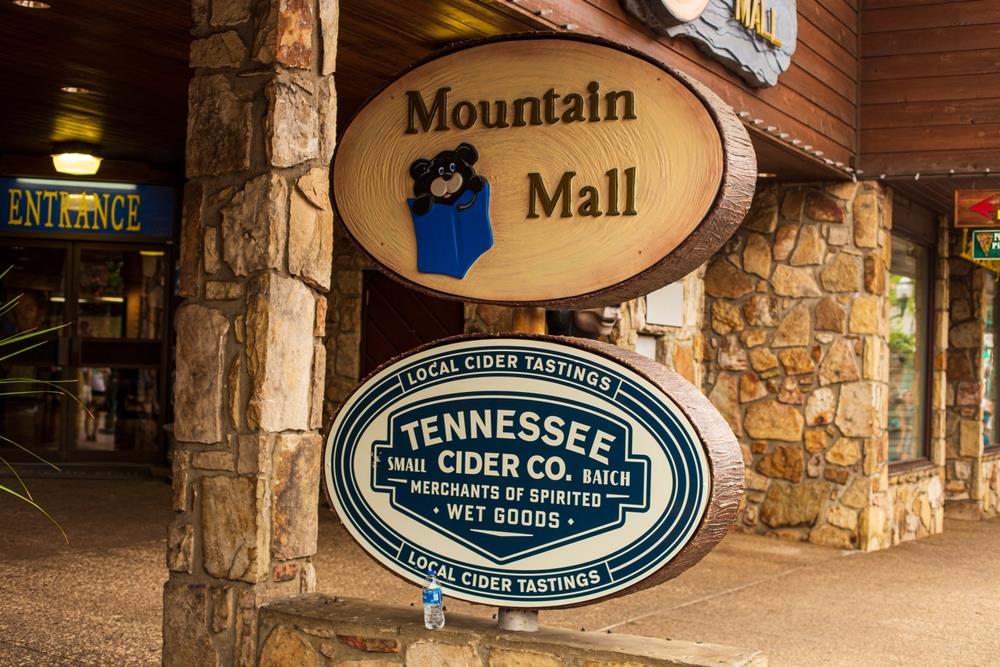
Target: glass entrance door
column 119, row 352
column 31, row 414
column 115, row 298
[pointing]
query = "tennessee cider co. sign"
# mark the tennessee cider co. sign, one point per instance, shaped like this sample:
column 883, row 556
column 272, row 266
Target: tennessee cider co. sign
column 542, row 169
column 532, row 471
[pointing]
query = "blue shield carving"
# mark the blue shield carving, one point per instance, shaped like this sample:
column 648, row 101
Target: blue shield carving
column 500, row 488
column 451, row 237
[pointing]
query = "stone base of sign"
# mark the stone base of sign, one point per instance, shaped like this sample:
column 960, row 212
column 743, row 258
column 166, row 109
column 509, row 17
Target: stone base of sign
column 317, row 629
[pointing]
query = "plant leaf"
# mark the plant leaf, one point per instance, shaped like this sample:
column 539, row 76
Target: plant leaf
column 22, row 350
column 37, row 507
column 14, row 472
column 30, row 333
column 28, row 451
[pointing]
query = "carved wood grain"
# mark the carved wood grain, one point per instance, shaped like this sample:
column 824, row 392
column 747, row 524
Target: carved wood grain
column 552, row 261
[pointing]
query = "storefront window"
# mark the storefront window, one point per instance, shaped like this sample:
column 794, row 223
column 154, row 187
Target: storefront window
column 118, row 409
column 36, row 279
column 909, row 280
column 121, row 293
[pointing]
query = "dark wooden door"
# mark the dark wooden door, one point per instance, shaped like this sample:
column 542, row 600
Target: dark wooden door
column 395, row 319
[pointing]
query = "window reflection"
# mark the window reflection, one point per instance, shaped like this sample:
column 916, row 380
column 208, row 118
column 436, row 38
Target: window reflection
column 121, row 293
column 37, row 275
column 29, row 415
column 908, row 283
column 123, row 409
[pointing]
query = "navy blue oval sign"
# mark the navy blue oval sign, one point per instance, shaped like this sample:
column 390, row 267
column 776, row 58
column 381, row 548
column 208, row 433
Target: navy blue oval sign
column 527, row 472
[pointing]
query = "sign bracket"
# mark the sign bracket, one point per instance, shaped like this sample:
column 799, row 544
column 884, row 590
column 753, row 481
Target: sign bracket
column 517, row 620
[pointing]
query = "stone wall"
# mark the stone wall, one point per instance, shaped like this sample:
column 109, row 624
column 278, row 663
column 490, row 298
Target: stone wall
column 989, row 481
column 963, row 491
column 678, row 348
column 256, row 250
column 316, row 630
column 343, row 320
column 914, row 503
column 485, row 318
column 797, row 359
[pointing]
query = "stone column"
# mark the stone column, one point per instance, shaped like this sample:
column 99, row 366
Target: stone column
column 797, row 360
column 256, row 255
column 964, row 490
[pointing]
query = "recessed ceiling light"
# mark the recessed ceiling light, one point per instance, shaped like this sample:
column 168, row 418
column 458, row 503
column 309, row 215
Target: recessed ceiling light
column 766, row 174
column 31, row 4
column 76, row 90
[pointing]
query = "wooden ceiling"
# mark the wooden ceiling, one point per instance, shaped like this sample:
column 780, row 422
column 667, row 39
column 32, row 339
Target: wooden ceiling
column 133, row 55
column 379, row 38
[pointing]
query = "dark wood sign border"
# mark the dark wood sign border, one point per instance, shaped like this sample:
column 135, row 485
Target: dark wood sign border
column 731, row 204
column 722, row 450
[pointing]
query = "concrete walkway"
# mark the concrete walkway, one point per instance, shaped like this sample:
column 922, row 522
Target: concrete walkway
column 97, row 601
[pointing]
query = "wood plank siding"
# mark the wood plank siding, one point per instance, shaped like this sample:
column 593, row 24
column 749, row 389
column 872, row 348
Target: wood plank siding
column 815, row 101
column 930, row 86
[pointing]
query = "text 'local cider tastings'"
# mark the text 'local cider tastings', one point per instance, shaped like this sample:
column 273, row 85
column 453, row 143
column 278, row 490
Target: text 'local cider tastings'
column 532, row 471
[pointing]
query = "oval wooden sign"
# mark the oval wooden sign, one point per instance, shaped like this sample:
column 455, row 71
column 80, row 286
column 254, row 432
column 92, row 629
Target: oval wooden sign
column 542, row 169
column 532, row 471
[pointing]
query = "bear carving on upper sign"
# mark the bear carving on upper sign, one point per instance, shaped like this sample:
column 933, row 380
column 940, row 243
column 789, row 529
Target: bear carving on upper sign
column 451, row 211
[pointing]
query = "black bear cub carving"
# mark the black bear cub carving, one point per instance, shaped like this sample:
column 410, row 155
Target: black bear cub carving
column 445, row 178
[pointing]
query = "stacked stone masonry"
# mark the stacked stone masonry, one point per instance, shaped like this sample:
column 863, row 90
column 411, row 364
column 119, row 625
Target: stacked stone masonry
column 343, row 320
column 316, row 630
column 679, row 348
column 256, row 258
column 990, row 483
column 797, row 362
column 971, row 475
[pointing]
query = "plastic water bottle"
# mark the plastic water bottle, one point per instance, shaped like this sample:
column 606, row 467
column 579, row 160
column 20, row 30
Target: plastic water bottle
column 433, row 603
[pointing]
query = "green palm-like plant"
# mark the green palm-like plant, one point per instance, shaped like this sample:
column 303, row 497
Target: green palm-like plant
column 11, row 346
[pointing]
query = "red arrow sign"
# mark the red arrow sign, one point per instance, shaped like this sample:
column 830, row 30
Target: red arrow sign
column 972, row 206
column 986, row 209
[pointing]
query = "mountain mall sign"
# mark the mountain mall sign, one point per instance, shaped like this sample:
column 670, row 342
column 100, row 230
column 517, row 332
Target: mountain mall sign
column 532, row 471
column 754, row 38
column 587, row 174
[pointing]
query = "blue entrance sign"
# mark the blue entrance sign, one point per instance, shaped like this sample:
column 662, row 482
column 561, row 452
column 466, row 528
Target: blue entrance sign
column 105, row 210
column 530, row 471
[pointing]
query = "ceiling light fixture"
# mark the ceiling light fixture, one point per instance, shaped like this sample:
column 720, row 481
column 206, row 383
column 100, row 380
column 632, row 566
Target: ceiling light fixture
column 31, row 4
column 76, row 158
column 76, row 90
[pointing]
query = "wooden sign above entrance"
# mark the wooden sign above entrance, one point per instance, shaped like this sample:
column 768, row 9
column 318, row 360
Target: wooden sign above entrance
column 532, row 471
column 975, row 209
column 542, row 169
